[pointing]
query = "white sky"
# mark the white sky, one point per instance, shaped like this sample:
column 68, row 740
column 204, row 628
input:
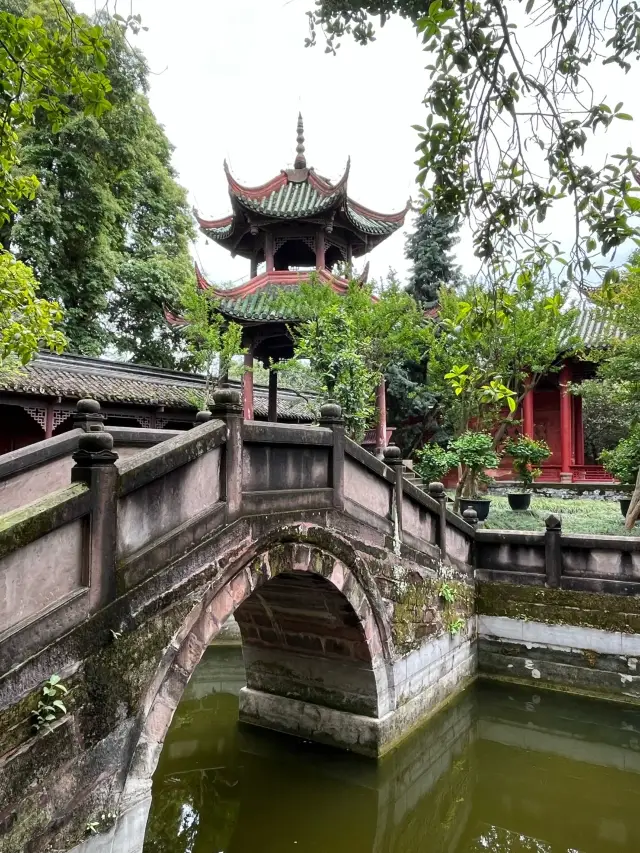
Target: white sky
column 228, row 80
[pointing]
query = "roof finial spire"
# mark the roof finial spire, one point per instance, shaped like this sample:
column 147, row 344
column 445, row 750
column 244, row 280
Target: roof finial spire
column 300, row 161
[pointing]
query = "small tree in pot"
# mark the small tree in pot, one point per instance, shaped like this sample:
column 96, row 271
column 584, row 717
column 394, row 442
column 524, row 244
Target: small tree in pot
column 475, row 453
column 527, row 453
column 433, row 462
column 623, row 462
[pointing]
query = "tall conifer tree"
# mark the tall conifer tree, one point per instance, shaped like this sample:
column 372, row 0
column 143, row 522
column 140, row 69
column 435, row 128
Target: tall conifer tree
column 429, row 247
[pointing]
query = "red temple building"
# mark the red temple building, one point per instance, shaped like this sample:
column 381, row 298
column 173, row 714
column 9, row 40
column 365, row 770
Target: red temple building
column 296, row 224
column 550, row 412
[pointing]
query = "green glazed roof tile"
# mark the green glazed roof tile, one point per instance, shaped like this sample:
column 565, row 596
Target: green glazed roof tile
column 291, row 201
column 263, row 304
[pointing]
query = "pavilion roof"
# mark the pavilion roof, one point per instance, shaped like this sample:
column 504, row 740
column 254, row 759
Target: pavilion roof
column 298, row 194
column 260, row 299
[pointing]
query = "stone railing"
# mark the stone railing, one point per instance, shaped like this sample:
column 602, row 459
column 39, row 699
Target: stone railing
column 105, row 522
column 554, row 559
column 39, row 469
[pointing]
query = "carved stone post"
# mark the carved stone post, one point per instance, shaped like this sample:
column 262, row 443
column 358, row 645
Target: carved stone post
column 227, row 406
column 437, row 492
column 393, row 458
column 88, row 416
column 202, row 417
column 331, row 417
column 95, row 466
column 470, row 516
column 553, row 549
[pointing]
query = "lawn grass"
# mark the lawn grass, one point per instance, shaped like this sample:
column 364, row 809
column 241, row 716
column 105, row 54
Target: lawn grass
column 578, row 516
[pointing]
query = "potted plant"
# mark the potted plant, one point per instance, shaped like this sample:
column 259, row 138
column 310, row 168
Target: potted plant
column 623, row 462
column 527, row 453
column 433, row 463
column 475, row 453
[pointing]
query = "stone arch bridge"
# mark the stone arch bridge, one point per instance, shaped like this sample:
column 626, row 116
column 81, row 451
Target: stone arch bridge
column 139, row 546
column 123, row 552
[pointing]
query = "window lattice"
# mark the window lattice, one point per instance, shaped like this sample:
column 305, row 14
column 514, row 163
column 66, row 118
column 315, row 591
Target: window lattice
column 39, row 415
column 308, row 241
column 60, row 415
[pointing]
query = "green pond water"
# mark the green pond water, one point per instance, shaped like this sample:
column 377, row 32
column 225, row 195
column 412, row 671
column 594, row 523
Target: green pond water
column 501, row 769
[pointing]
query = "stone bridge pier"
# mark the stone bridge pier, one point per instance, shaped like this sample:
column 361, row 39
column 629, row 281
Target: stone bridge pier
column 117, row 582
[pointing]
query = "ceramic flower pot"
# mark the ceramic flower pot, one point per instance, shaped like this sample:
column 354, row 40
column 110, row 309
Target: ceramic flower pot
column 519, row 500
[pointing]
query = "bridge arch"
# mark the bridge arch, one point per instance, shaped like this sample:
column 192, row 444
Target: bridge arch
column 315, row 635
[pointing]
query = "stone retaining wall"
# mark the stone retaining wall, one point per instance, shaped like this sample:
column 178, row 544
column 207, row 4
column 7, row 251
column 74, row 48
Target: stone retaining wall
column 574, row 641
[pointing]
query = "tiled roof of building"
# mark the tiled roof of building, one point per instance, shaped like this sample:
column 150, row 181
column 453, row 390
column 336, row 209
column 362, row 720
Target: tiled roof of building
column 263, row 304
column 73, row 377
column 291, row 201
column 284, row 198
column 593, row 329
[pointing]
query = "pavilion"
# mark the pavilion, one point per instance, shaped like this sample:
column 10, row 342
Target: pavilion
column 296, row 224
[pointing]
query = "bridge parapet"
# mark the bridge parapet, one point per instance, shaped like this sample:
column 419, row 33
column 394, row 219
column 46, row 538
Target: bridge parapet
column 134, row 513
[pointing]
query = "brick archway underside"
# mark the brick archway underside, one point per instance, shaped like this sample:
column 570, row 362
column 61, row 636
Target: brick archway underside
column 310, row 632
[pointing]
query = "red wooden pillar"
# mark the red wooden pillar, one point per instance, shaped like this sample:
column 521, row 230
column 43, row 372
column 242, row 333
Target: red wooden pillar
column 48, row 424
column 268, row 251
column 578, row 429
column 247, row 387
column 273, row 396
column 565, row 425
column 381, row 410
column 320, row 249
column 527, row 414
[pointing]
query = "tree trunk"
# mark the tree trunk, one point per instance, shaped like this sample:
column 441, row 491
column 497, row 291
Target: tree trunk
column 634, row 507
column 462, row 482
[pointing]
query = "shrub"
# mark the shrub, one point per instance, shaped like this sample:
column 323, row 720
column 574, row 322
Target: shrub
column 624, row 460
column 527, row 454
column 475, row 453
column 434, row 462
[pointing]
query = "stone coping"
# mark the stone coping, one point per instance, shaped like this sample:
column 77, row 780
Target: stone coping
column 28, row 523
column 270, row 433
column 163, row 458
column 38, row 453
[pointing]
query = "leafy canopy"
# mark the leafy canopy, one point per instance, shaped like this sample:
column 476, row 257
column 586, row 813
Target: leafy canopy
column 475, row 452
column 619, row 370
column 429, row 248
column 511, row 111
column 527, row 453
column 27, row 322
column 40, row 70
column 623, row 462
column 490, row 345
column 211, row 340
column 350, row 339
column 433, row 462
column 109, row 233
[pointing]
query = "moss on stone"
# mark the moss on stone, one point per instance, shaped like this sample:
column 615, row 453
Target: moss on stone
column 419, row 610
column 116, row 677
column 560, row 606
column 28, row 523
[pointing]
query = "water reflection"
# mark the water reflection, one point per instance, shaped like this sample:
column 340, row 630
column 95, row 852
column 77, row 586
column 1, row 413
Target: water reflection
column 500, row 770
